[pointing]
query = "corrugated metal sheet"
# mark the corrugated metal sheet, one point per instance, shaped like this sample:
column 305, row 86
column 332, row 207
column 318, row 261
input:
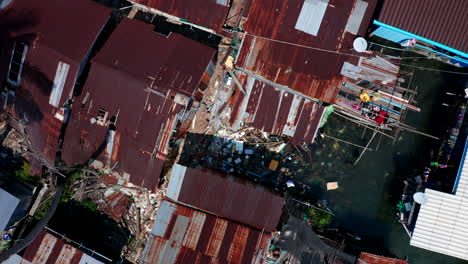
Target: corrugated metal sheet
column 311, row 16
column 275, row 111
column 47, row 248
column 227, row 197
column 206, row 239
column 206, row 13
column 45, row 27
column 367, row 258
column 356, row 17
column 16, row 259
column 145, row 89
column 445, row 22
column 374, row 69
column 310, row 72
column 442, row 223
column 313, row 73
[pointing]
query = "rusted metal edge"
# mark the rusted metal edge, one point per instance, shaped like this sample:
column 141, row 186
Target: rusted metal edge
column 284, row 88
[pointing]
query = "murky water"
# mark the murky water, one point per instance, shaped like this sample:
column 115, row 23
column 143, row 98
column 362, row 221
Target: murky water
column 366, row 200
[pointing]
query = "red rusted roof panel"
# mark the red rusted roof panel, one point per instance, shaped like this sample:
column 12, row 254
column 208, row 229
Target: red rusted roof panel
column 145, row 89
column 232, row 198
column 57, row 24
column 220, row 241
column 45, row 26
column 206, row 13
column 310, row 72
column 445, row 22
column 47, row 248
column 271, row 49
column 164, row 63
column 276, row 111
column 375, row 259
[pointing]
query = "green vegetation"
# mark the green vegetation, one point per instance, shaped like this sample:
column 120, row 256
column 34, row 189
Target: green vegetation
column 43, row 208
column 318, row 218
column 24, row 174
column 67, row 190
column 90, row 205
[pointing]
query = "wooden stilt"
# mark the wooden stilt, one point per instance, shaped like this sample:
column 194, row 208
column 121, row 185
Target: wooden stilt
column 368, row 143
column 347, row 142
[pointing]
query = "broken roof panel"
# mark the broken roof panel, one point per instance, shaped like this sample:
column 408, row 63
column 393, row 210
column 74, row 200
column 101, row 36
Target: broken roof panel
column 144, row 91
column 52, row 59
column 225, row 196
column 313, row 73
column 210, row 14
column 445, row 22
column 186, row 236
column 276, row 111
column 47, row 248
column 367, row 258
column 278, row 51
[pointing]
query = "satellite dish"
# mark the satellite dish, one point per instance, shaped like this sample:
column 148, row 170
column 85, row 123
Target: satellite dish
column 420, row 198
column 360, row 44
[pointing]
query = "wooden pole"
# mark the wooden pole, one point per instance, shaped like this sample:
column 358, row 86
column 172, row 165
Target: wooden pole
column 410, row 129
column 349, row 143
column 363, row 124
column 368, row 143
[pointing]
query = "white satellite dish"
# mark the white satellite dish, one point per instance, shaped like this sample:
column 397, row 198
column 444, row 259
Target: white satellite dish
column 420, row 198
column 360, row 44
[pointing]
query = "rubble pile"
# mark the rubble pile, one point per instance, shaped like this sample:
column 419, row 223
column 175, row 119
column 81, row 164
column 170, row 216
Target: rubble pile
column 249, row 153
column 130, row 205
column 15, row 142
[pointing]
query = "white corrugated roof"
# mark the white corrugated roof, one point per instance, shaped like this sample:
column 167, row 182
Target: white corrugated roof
column 442, row 224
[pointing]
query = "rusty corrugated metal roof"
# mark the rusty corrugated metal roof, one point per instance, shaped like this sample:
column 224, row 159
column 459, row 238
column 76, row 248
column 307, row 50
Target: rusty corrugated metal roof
column 311, row 72
column 275, row 111
column 206, row 13
column 226, row 196
column 376, row 68
column 185, row 235
column 55, row 31
column 375, row 259
column 445, row 22
column 47, row 248
column 145, row 80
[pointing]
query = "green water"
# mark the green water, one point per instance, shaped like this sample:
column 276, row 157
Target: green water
column 365, row 201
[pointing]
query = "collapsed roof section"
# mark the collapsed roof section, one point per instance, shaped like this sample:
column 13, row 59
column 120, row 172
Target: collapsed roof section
column 138, row 87
column 276, row 111
column 45, row 44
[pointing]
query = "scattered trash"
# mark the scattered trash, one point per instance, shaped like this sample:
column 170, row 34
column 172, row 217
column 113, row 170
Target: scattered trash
column 332, row 186
column 273, row 165
column 290, row 184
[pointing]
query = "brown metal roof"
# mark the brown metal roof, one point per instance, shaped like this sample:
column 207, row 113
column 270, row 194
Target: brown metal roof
column 183, row 235
column 226, row 196
column 145, row 80
column 275, row 111
column 445, row 22
column 55, row 31
column 206, row 13
column 311, row 72
column 375, row 259
column 47, row 248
